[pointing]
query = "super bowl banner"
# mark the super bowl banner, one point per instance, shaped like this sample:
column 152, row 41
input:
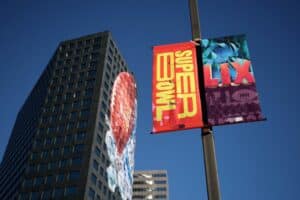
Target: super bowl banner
column 229, row 85
column 175, row 92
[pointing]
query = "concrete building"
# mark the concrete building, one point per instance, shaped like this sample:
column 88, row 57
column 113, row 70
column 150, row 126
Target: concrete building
column 57, row 148
column 150, row 184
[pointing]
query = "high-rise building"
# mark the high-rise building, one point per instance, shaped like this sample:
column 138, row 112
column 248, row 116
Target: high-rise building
column 72, row 136
column 150, row 184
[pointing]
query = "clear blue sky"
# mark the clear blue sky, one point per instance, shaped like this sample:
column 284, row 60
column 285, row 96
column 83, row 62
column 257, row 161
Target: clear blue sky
column 256, row 160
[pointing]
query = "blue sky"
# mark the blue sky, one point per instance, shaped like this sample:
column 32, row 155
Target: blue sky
column 255, row 160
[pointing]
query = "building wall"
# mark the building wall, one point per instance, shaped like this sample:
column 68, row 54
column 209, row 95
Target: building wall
column 20, row 143
column 151, row 184
column 57, row 146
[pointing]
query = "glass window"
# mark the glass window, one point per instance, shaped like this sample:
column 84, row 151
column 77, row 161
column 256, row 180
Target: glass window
column 74, row 175
column 83, row 65
column 76, row 104
column 87, row 102
column 103, row 106
column 91, row 194
column 160, row 181
column 55, row 152
column 104, row 190
column 90, row 83
column 71, row 125
column 93, row 179
column 89, row 92
column 100, row 185
column 67, row 106
column 93, row 64
column 45, row 154
column 97, row 40
column 67, row 150
column 73, row 115
column 43, row 167
column 63, row 116
column 59, row 140
column 79, row 148
column 159, row 175
column 85, row 113
column 35, row 195
column 24, row 196
column 71, row 190
column 47, row 194
column 101, row 171
column 95, row 55
column 58, row 192
column 63, row 163
column 97, row 152
column 68, row 96
column 60, row 178
column 53, row 165
column 39, row 181
column 95, row 165
column 48, row 141
column 53, row 118
column 80, row 136
column 82, row 124
column 76, row 161
column 106, row 85
column 109, row 59
column 35, row 155
column 99, row 139
column 28, row 183
column 69, row 138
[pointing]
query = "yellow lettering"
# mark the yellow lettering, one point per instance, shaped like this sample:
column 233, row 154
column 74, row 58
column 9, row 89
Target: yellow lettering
column 188, row 111
column 183, row 53
column 185, row 82
column 165, row 66
column 165, row 97
column 165, row 85
column 160, row 109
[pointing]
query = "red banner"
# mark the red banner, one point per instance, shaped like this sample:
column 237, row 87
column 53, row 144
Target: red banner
column 175, row 92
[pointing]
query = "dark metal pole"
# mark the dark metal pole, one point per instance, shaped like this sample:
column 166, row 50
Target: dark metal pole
column 210, row 162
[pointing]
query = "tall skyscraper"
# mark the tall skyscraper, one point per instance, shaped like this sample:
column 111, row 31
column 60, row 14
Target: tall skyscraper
column 74, row 136
column 150, row 184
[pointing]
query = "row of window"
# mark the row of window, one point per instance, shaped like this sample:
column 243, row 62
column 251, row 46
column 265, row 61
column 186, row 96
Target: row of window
column 75, row 105
column 159, row 189
column 80, row 51
column 57, row 152
column 156, row 175
column 67, row 97
column 154, row 181
column 80, row 43
column 92, row 195
column 44, row 167
column 63, row 127
column 71, row 85
column 56, row 193
column 72, row 116
column 87, row 60
column 158, row 197
column 51, row 179
column 58, row 140
column 73, row 76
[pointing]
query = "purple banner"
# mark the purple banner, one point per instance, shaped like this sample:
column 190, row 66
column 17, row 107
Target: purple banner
column 230, row 89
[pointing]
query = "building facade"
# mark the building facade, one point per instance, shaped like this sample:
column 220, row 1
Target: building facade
column 152, row 184
column 58, row 146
